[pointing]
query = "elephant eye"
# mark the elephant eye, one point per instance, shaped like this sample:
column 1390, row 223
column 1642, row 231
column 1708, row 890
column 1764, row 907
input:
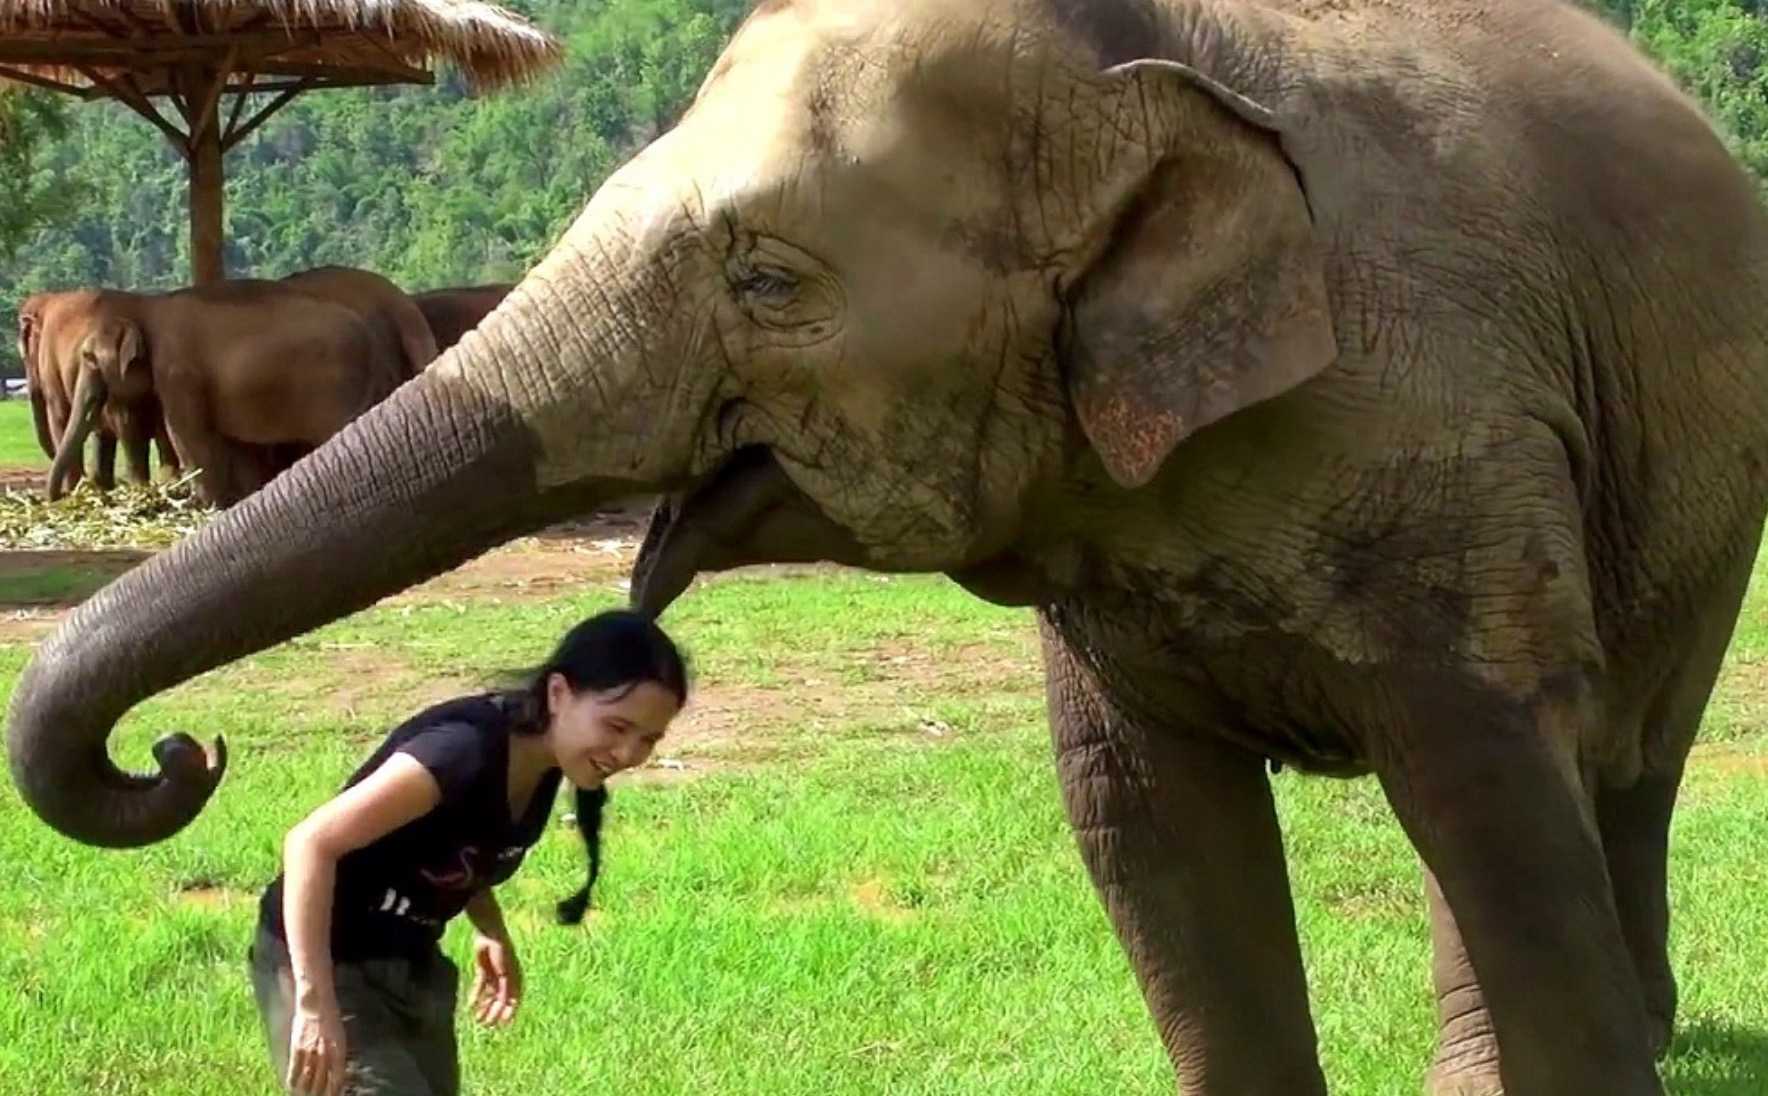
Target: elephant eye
column 772, row 286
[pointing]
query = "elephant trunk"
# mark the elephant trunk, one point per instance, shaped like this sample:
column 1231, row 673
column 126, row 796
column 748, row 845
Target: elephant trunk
column 434, row 475
column 89, row 396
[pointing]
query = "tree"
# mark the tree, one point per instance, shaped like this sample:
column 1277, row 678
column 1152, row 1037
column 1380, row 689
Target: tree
column 28, row 121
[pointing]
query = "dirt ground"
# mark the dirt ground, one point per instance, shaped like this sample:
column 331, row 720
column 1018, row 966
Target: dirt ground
column 596, row 549
column 728, row 725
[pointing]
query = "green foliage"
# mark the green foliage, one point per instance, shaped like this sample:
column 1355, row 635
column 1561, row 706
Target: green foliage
column 428, row 185
column 434, row 187
column 1717, row 49
column 29, row 120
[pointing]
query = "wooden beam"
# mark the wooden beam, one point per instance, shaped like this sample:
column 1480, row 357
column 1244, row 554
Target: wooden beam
column 234, row 136
column 211, row 95
column 207, row 262
column 239, row 104
column 142, row 53
column 346, row 75
column 138, row 102
column 51, row 85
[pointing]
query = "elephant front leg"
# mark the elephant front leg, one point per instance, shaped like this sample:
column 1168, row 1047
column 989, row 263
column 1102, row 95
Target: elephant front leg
column 1466, row 1060
column 169, row 463
column 1635, row 825
column 135, row 455
column 1180, row 835
column 1485, row 790
column 107, row 461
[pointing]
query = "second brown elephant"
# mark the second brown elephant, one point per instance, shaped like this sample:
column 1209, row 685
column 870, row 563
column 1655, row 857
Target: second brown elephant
column 50, row 326
column 451, row 313
column 378, row 301
column 249, row 374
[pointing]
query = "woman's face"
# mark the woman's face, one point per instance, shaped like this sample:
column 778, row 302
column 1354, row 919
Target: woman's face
column 595, row 735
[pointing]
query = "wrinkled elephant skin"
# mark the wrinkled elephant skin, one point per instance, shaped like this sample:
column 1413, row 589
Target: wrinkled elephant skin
column 1307, row 366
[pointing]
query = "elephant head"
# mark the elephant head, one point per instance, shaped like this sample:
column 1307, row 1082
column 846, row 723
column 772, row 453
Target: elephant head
column 30, row 332
column 892, row 283
column 110, row 359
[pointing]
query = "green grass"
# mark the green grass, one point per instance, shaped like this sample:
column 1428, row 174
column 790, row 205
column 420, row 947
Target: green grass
column 849, row 904
column 18, row 435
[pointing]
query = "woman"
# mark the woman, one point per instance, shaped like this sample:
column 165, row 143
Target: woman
column 346, row 967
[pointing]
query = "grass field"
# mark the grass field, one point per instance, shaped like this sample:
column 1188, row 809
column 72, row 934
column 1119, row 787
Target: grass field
column 18, row 436
column 850, row 874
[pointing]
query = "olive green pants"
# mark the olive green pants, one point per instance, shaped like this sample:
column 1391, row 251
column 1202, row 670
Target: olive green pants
column 398, row 1020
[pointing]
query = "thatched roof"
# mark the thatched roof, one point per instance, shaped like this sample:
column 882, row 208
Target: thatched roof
column 94, row 47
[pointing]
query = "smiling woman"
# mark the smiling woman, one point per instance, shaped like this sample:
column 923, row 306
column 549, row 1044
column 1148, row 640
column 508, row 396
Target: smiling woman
column 346, row 967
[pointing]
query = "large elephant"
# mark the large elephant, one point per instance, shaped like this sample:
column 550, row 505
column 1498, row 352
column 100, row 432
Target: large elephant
column 453, row 312
column 379, row 301
column 250, row 374
column 50, row 332
column 1312, row 368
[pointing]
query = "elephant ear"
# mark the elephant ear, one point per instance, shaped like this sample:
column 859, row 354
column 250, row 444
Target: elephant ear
column 1208, row 292
column 27, row 339
column 131, row 347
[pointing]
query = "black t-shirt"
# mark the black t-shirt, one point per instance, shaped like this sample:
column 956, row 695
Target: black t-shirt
column 395, row 895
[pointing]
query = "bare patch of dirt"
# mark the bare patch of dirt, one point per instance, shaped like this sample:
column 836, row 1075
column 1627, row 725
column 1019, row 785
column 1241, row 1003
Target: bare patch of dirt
column 873, row 898
column 28, row 626
column 360, row 683
column 969, row 667
column 209, row 894
column 1731, row 760
column 724, row 727
column 533, row 568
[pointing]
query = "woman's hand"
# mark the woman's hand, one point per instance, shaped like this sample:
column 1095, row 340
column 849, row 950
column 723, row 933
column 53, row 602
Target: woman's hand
column 497, row 980
column 316, row 1051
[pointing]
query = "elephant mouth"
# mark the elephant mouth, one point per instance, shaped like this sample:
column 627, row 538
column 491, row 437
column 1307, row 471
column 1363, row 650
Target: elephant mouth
column 746, row 511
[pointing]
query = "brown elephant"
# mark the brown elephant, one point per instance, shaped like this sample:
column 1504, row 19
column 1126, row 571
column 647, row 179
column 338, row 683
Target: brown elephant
column 1309, row 367
column 48, row 337
column 250, row 374
column 453, row 312
column 378, row 300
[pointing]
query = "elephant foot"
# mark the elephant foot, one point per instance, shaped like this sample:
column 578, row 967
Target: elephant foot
column 1480, row 1082
column 1468, row 1068
column 1662, row 1030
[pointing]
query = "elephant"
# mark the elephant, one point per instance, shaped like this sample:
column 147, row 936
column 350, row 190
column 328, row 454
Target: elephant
column 1305, row 370
column 251, row 375
column 378, row 300
column 453, row 312
column 50, row 356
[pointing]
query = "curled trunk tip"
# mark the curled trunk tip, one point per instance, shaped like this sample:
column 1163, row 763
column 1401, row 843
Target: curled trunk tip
column 82, row 793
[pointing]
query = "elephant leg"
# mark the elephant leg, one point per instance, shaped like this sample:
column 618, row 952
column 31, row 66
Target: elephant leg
column 1635, row 820
column 1466, row 1061
column 226, row 472
column 106, row 477
column 1180, row 835
column 136, row 457
column 1485, row 790
column 1635, row 825
column 168, row 453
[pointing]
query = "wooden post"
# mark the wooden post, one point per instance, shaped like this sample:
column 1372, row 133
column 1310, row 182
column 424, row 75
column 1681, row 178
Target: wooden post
column 206, row 263
column 206, row 260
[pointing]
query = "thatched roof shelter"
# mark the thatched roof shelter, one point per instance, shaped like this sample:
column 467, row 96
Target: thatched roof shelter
column 195, row 54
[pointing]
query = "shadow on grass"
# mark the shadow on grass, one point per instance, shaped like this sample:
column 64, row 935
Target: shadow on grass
column 1717, row 1059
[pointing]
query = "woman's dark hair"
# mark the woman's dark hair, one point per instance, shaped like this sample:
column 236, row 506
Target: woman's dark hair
column 612, row 652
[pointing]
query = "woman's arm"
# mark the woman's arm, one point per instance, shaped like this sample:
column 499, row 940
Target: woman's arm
column 497, row 973
column 400, row 790
column 487, row 916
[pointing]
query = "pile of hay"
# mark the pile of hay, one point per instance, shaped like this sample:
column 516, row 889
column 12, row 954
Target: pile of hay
column 128, row 516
